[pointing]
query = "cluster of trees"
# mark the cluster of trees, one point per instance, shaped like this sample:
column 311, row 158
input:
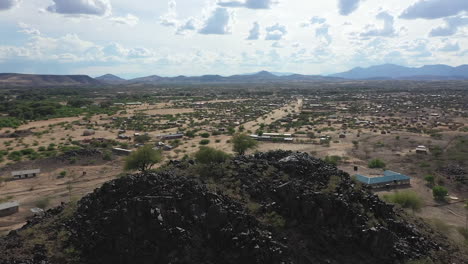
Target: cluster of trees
column 146, row 157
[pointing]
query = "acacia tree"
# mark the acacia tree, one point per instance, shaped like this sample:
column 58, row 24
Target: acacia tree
column 242, row 143
column 143, row 159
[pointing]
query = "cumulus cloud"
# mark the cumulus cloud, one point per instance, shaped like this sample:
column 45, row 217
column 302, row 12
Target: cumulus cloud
column 452, row 24
column 348, row 6
column 129, row 20
column 276, row 32
column 217, row 23
column 322, row 33
column 450, row 47
column 81, row 7
column 387, row 30
column 432, row 9
column 170, row 18
column 252, row 4
column 8, row 4
column 254, row 33
column 189, row 25
column 317, row 20
column 27, row 29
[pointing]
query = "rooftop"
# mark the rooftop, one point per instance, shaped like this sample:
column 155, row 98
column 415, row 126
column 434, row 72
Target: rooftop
column 8, row 205
column 389, row 176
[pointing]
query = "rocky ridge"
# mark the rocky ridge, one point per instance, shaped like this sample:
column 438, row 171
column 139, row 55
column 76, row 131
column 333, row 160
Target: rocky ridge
column 276, row 207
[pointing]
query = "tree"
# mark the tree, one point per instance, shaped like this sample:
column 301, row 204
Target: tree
column 143, row 159
column 430, row 179
column 439, row 192
column 142, row 138
column 242, row 143
column 376, row 164
column 207, row 155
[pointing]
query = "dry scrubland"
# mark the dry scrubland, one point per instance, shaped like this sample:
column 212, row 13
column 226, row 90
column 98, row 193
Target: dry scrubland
column 349, row 124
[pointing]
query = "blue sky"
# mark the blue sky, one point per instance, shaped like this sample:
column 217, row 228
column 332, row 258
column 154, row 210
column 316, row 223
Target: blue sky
column 194, row 37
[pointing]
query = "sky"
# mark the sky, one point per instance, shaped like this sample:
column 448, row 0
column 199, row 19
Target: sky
column 134, row 38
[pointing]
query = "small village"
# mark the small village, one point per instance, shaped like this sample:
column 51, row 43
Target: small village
column 412, row 134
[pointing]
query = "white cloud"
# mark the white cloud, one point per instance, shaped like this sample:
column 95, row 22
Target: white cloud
column 252, row 4
column 388, row 29
column 348, row 6
column 254, row 33
column 433, row 9
column 276, row 32
column 27, row 29
column 170, row 18
column 81, row 7
column 189, row 25
column 217, row 23
column 452, row 24
column 129, row 20
column 322, row 33
column 450, row 47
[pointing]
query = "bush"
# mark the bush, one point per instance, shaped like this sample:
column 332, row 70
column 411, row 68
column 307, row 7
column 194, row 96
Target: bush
column 43, row 203
column 143, row 159
column 205, row 135
column 107, row 156
column 142, row 139
column 439, row 192
column 333, row 160
column 207, row 155
column 376, row 164
column 430, row 179
column 242, row 142
column 204, row 142
column 407, row 199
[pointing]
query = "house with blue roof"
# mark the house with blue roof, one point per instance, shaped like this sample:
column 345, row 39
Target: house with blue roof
column 389, row 179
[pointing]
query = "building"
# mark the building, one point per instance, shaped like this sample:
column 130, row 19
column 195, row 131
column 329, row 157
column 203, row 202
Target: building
column 389, row 179
column 277, row 135
column 25, row 174
column 421, row 150
column 9, row 208
column 172, row 136
column 121, row 151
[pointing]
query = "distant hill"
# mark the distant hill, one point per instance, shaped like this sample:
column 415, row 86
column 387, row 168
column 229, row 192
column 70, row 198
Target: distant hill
column 34, row 80
column 392, row 71
column 259, row 77
column 110, row 79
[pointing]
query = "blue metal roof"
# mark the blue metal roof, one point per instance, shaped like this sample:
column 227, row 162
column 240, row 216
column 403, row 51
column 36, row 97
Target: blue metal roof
column 388, row 177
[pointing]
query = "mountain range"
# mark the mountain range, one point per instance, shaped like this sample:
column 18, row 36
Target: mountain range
column 379, row 72
column 35, row 80
column 392, row 71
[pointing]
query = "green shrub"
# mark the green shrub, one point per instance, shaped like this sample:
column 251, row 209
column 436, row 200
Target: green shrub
column 376, row 164
column 42, row 203
column 334, row 160
column 407, row 199
column 205, row 135
column 430, row 179
column 207, row 155
column 204, row 142
column 275, row 220
column 439, row 192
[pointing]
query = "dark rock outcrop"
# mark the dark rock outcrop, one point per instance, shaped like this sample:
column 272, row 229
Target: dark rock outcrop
column 276, row 207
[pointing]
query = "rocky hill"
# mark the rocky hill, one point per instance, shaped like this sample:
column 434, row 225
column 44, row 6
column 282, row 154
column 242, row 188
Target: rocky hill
column 37, row 80
column 110, row 79
column 276, row 207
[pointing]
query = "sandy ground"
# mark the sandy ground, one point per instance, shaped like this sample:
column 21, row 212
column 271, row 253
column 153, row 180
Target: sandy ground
column 29, row 191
